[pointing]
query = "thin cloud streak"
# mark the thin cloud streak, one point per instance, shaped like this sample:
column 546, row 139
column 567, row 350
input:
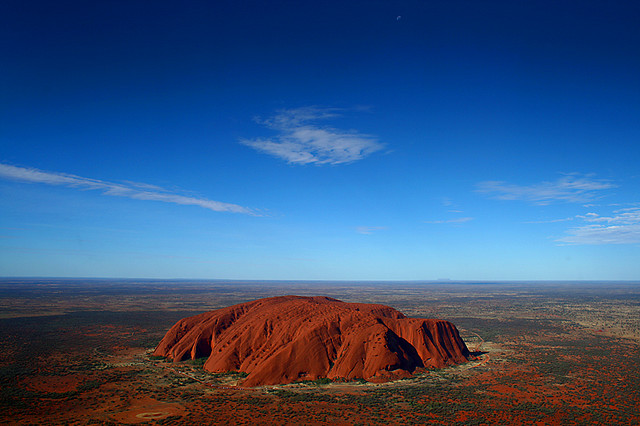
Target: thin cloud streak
column 571, row 189
column 301, row 141
column 623, row 227
column 368, row 230
column 457, row 220
column 566, row 219
column 137, row 191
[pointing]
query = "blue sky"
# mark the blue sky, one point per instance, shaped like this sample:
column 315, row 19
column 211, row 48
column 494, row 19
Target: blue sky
column 361, row 140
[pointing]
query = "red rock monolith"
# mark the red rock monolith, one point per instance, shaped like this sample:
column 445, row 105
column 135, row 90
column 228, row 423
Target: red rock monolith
column 290, row 338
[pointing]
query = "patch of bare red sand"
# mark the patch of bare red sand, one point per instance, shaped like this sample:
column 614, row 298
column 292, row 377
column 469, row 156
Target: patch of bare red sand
column 148, row 409
column 290, row 338
column 53, row 384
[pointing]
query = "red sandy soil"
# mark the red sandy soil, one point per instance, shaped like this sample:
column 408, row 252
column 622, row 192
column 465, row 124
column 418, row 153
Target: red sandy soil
column 290, row 338
column 48, row 383
column 148, row 409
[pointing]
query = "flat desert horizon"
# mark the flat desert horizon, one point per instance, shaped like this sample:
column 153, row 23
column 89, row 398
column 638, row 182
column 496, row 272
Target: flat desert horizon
column 80, row 351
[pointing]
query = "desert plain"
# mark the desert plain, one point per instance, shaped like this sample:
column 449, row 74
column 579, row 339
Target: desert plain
column 79, row 351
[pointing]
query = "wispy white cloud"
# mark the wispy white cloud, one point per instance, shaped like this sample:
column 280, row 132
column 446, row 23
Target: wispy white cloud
column 566, row 219
column 572, row 188
column 138, row 191
column 300, row 140
column 368, row 230
column 621, row 217
column 622, row 227
column 456, row 220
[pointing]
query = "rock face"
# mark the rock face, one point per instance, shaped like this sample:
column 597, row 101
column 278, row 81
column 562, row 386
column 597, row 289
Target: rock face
column 286, row 339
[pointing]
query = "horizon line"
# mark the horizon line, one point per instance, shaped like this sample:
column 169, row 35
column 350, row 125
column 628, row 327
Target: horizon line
column 241, row 280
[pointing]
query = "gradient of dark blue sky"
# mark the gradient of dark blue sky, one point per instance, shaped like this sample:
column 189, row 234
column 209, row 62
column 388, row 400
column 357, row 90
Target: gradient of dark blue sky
column 542, row 97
